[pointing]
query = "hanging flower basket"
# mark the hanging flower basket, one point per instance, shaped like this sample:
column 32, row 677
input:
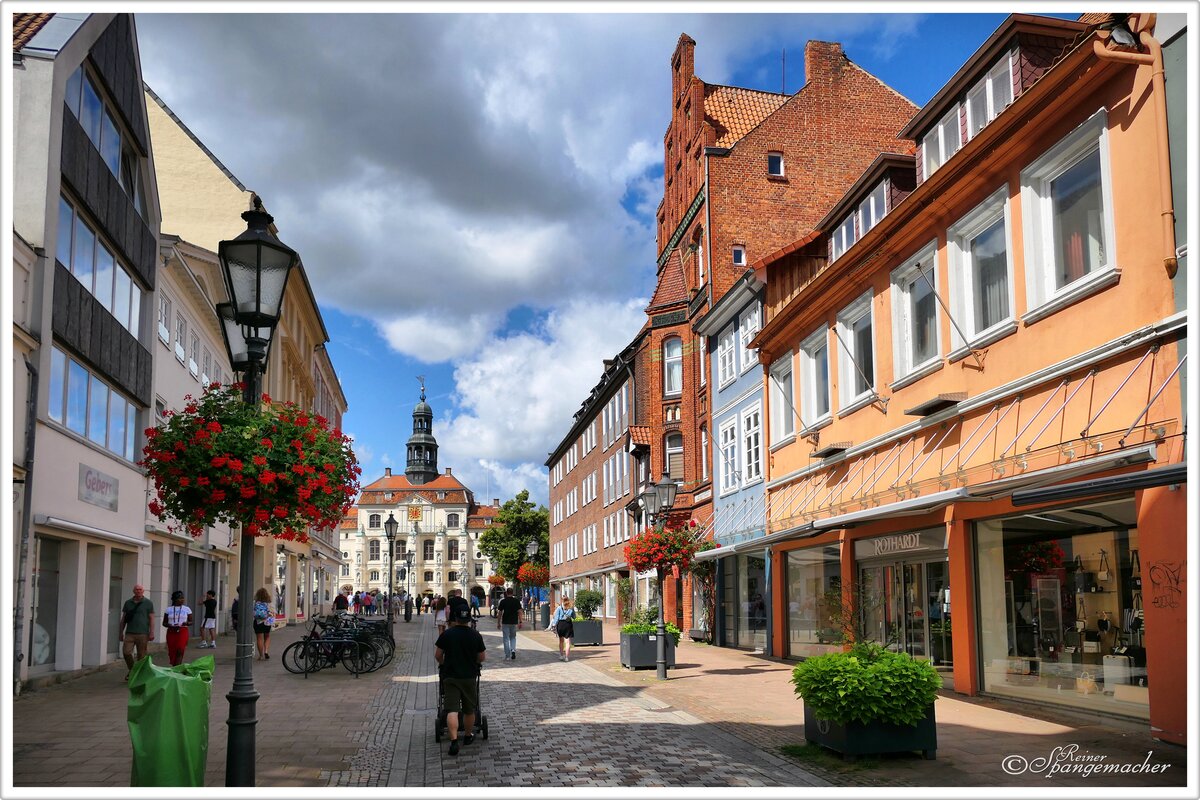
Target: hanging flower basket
column 664, row 547
column 533, row 575
column 277, row 471
column 496, row 580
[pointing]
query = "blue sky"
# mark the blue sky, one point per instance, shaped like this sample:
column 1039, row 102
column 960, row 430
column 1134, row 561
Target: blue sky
column 473, row 195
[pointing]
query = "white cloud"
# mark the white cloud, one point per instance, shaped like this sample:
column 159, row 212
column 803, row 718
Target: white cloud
column 431, row 337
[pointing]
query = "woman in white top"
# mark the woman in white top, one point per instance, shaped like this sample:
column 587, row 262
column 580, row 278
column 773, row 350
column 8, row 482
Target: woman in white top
column 177, row 619
column 439, row 616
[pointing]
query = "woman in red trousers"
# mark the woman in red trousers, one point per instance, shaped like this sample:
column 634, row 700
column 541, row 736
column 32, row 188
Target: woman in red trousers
column 176, row 620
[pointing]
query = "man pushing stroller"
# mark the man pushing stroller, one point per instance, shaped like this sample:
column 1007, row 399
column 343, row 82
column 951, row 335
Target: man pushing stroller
column 459, row 652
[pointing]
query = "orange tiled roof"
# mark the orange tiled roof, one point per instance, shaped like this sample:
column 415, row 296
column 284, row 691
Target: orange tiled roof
column 672, row 288
column 401, row 483
column 349, row 523
column 25, row 26
column 1095, row 18
column 735, row 112
column 640, row 434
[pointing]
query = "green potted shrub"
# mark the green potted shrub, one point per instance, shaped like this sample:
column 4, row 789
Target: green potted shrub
column 588, row 630
column 869, row 699
column 639, row 640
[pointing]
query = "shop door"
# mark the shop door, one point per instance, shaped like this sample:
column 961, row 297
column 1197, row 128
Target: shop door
column 905, row 606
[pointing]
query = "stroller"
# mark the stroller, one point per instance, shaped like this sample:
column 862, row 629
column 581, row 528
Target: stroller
column 440, row 728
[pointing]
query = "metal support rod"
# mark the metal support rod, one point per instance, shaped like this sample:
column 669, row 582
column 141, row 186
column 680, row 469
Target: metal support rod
column 1075, row 391
column 887, row 462
column 963, row 444
column 983, row 438
column 949, row 316
column 1083, row 433
column 1033, row 419
column 934, row 449
column 1170, row 377
column 243, row 699
column 875, row 469
column 853, row 360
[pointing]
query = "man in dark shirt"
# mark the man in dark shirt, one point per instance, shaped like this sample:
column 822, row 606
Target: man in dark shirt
column 208, row 629
column 459, row 652
column 511, row 618
column 341, row 602
column 456, row 601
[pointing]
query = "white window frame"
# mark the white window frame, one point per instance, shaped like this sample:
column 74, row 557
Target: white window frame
column 726, row 357
column 703, row 453
column 783, row 417
column 962, row 272
column 739, row 255
column 808, row 384
column 164, row 312
column 667, row 361
column 873, row 209
column 843, row 238
column 748, row 328
column 848, row 376
column 903, row 278
column 1042, row 297
column 751, row 445
column 946, row 146
column 1001, row 73
column 782, row 168
column 727, row 451
column 703, row 345
column 668, row 451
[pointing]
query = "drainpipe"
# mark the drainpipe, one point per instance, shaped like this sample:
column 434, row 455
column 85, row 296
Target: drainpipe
column 1159, row 94
column 26, row 525
column 708, row 229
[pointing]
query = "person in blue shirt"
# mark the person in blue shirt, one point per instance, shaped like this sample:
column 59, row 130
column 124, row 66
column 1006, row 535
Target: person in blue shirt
column 562, row 623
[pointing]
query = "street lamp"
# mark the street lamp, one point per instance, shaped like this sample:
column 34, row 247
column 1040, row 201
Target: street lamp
column 255, row 266
column 658, row 501
column 389, row 530
column 408, row 579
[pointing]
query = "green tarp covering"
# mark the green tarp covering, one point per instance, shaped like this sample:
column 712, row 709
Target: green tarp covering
column 168, row 722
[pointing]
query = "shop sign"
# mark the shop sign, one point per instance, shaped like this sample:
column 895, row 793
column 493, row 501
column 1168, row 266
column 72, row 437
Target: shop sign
column 97, row 488
column 899, row 544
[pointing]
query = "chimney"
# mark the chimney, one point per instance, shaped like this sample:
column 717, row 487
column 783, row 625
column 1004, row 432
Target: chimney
column 496, row 502
column 387, row 472
column 448, row 472
column 683, row 65
column 822, row 60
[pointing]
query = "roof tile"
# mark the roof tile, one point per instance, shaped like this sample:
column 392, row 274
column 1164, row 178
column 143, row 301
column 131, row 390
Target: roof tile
column 26, row 26
column 735, row 111
column 672, row 288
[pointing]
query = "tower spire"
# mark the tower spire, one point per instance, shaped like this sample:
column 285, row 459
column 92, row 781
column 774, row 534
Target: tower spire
column 422, row 464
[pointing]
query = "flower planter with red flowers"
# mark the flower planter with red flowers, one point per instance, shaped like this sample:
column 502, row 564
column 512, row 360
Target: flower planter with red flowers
column 276, row 470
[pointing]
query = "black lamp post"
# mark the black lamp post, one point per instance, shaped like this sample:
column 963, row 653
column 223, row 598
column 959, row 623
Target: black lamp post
column 658, row 501
column 389, row 530
column 408, row 579
column 256, row 266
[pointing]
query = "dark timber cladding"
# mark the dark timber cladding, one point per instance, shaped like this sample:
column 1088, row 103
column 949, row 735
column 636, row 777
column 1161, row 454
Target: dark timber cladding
column 114, row 56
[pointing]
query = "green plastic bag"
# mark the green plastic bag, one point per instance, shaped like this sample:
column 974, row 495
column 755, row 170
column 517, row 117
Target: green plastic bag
column 168, row 722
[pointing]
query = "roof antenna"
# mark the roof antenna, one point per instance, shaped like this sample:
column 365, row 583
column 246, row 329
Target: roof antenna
column 783, row 90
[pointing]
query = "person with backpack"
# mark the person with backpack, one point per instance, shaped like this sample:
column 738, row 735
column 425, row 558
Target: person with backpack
column 264, row 623
column 562, row 623
column 459, row 652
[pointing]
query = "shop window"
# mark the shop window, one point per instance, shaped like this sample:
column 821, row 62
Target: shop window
column 814, row 601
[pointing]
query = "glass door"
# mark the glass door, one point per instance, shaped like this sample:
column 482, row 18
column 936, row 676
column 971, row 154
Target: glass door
column 879, row 602
column 915, row 639
column 937, row 587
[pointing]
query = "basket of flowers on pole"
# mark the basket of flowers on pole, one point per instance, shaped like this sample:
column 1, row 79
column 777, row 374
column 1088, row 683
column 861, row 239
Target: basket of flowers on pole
column 664, row 547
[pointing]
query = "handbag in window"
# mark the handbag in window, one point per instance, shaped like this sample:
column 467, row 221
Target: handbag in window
column 1135, row 571
column 1104, row 573
column 1084, row 581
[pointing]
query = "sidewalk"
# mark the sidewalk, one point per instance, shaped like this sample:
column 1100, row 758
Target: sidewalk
column 751, row 697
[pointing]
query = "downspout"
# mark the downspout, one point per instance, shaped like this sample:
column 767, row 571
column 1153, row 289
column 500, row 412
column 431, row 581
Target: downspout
column 1159, row 93
column 708, row 230
column 26, row 523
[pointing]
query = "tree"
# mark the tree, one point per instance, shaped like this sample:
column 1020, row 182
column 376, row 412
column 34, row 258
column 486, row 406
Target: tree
column 518, row 521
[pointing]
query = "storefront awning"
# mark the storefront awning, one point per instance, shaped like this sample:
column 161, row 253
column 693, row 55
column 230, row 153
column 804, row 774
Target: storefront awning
column 1114, row 484
column 798, row 532
column 1004, row 487
column 88, row 530
column 902, row 508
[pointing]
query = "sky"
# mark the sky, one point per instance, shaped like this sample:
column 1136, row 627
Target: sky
column 473, row 195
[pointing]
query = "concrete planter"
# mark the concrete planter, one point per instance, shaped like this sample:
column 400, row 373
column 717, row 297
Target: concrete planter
column 856, row 739
column 640, row 650
column 588, row 631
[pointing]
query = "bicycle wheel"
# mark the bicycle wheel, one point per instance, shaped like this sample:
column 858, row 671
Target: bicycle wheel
column 352, row 658
column 291, row 657
column 314, row 656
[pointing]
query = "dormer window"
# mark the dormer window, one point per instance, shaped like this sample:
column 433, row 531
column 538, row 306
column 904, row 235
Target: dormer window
column 775, row 165
column 941, row 142
column 990, row 96
column 842, row 238
column 871, row 210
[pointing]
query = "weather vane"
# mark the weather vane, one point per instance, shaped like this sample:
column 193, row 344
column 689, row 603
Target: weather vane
column 421, row 378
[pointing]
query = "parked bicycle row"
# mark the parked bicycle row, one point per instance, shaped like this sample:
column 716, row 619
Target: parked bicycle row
column 360, row 645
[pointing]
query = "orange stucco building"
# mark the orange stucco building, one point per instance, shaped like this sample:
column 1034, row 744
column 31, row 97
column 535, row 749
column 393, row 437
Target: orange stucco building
column 976, row 389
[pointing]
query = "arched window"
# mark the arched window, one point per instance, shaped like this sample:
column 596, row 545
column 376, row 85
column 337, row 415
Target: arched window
column 672, row 356
column 452, row 520
column 374, row 548
column 674, row 453
column 428, row 576
column 428, row 549
column 452, row 550
column 373, row 522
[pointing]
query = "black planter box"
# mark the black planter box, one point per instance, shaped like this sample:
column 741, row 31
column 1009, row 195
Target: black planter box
column 588, row 631
column 639, row 651
column 858, row 739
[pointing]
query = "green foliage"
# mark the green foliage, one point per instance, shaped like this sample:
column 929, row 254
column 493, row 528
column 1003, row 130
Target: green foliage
column 644, row 616
column 517, row 522
column 645, row 627
column 587, row 601
column 625, row 595
column 867, row 684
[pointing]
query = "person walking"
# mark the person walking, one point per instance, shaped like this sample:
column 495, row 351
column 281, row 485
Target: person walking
column 357, row 602
column 208, row 629
column 408, row 607
column 177, row 619
column 562, row 623
column 137, row 627
column 510, row 619
column 264, row 623
column 439, row 615
column 459, row 651
column 233, row 609
column 474, row 605
column 341, row 602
